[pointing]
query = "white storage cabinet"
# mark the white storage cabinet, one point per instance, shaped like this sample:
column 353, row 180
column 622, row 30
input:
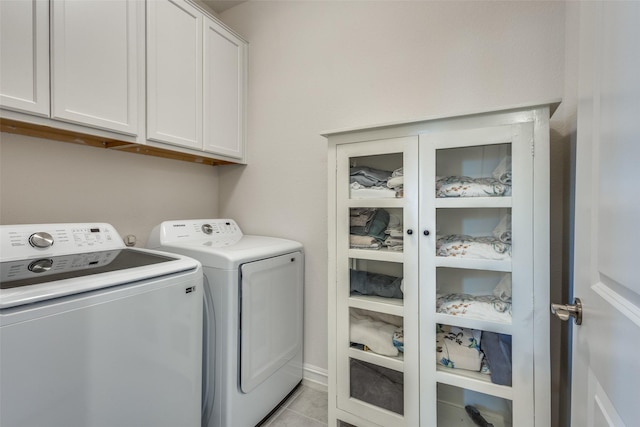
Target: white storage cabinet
column 465, row 234
column 195, row 80
column 24, row 49
column 94, row 51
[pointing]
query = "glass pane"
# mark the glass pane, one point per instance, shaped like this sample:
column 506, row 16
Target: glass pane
column 471, row 352
column 474, row 233
column 376, row 177
column 375, row 228
column 460, row 407
column 482, row 171
column 379, row 333
column 377, row 385
column 376, row 278
column 474, row 294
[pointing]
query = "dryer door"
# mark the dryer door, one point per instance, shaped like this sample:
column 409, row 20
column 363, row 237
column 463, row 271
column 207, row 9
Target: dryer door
column 271, row 317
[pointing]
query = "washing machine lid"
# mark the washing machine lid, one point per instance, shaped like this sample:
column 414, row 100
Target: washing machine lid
column 217, row 243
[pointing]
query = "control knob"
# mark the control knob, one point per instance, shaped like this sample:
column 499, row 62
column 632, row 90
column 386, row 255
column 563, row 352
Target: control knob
column 41, row 265
column 207, row 228
column 41, row 240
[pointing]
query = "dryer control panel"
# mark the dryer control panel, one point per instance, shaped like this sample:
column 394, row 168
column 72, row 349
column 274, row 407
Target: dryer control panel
column 214, row 232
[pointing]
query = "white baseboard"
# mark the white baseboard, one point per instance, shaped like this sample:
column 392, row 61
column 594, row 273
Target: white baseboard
column 315, row 377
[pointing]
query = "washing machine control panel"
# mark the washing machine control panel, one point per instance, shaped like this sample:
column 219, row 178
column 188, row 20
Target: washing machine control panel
column 25, row 241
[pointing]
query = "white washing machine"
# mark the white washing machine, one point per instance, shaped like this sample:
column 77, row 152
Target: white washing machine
column 96, row 334
column 253, row 316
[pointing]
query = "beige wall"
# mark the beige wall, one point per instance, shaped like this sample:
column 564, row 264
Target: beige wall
column 324, row 65
column 43, row 181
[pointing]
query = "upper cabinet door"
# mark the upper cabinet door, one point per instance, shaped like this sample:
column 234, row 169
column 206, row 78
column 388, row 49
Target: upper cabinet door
column 224, row 82
column 96, row 47
column 174, row 73
column 24, row 48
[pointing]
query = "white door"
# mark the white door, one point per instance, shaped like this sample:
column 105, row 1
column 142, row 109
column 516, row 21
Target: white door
column 606, row 366
column 223, row 87
column 96, row 63
column 24, row 48
column 174, row 73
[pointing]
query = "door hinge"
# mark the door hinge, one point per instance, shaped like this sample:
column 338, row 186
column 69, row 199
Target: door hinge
column 533, row 148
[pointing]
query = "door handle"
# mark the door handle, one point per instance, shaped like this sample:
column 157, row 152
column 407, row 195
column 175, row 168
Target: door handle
column 565, row 311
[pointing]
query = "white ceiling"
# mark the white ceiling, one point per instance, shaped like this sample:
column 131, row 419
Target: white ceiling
column 220, row 6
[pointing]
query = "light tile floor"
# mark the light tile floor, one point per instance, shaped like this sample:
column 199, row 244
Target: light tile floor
column 306, row 407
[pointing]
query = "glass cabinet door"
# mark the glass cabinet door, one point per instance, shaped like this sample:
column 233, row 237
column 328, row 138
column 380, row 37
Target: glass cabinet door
column 376, row 301
column 476, row 279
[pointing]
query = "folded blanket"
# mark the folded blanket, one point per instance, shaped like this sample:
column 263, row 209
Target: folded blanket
column 464, row 246
column 503, row 171
column 395, row 182
column 394, row 243
column 374, row 223
column 459, row 348
column 502, row 231
column 366, row 283
column 464, row 186
column 398, row 339
column 363, row 242
column 375, row 334
column 483, row 307
column 503, row 288
column 497, row 348
column 369, row 176
column 358, row 191
column 361, row 217
column 379, row 386
column 383, row 317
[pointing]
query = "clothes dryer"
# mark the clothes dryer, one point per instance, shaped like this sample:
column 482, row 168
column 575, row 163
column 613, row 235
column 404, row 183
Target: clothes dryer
column 253, row 323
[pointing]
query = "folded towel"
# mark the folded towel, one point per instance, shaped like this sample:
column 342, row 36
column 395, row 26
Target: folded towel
column 503, row 289
column 459, row 348
column 503, row 171
column 502, row 231
column 497, row 349
column 375, row 334
column 398, row 339
column 463, row 246
column 484, row 307
column 363, row 242
column 374, row 224
column 366, row 283
column 464, row 186
column 369, row 176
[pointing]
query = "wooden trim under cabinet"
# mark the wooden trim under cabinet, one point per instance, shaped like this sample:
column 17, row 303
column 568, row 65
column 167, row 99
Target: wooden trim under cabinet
column 41, row 131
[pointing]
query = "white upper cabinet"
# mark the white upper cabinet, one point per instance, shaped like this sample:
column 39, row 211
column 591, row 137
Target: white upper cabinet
column 195, row 80
column 160, row 73
column 224, row 68
column 24, row 49
column 95, row 63
column 174, row 73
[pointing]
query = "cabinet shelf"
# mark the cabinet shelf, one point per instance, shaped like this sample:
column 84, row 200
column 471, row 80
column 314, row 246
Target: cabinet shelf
column 472, row 202
column 393, row 306
column 395, row 363
column 472, row 381
column 376, row 255
column 473, row 264
column 472, row 323
column 378, row 203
